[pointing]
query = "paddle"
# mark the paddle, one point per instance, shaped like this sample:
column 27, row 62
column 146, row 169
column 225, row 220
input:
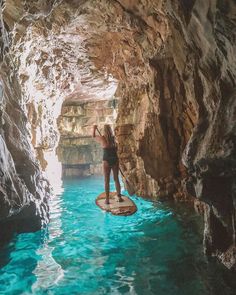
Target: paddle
column 127, row 183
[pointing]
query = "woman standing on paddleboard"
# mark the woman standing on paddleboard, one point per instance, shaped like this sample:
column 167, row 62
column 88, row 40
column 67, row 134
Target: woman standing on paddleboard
column 110, row 159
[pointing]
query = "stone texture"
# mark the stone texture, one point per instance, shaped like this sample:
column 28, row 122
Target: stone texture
column 78, row 152
column 210, row 153
column 23, row 190
column 171, row 67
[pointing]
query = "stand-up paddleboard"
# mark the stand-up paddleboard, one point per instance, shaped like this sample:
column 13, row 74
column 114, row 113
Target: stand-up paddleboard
column 127, row 207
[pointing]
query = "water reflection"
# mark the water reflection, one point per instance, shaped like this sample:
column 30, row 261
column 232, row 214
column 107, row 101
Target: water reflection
column 85, row 251
column 48, row 272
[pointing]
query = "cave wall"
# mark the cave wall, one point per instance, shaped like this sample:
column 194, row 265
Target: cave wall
column 78, row 152
column 210, row 153
column 171, row 67
column 186, row 114
column 24, row 192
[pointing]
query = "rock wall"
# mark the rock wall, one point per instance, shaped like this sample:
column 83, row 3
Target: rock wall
column 78, row 152
column 184, row 111
column 171, row 67
column 24, row 191
column 210, row 153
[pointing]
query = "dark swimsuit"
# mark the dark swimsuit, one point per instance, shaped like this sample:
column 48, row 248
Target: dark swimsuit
column 110, row 155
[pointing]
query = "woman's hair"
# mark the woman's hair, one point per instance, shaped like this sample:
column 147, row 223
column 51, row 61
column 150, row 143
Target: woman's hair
column 108, row 134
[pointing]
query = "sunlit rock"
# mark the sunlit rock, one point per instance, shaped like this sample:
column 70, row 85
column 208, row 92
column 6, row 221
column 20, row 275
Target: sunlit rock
column 161, row 72
column 78, row 152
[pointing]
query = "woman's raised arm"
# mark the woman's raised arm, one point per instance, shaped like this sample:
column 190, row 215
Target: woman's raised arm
column 98, row 138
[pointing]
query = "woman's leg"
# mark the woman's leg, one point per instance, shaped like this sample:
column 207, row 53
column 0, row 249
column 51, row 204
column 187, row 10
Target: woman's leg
column 115, row 170
column 107, row 172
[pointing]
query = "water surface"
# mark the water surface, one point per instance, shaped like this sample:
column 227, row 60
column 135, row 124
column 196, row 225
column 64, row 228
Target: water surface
column 158, row 250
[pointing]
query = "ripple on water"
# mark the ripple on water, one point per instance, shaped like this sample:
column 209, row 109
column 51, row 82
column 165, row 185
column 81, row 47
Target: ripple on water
column 87, row 251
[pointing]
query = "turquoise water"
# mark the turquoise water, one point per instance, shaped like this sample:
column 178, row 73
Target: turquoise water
column 86, row 251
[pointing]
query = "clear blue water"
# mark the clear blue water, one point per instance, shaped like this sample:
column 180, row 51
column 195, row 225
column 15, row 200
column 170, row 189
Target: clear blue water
column 86, row 251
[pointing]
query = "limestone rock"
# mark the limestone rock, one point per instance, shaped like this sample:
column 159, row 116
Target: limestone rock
column 78, row 152
column 23, row 190
column 171, row 67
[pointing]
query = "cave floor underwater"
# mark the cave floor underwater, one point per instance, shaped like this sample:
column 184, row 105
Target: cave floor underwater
column 84, row 250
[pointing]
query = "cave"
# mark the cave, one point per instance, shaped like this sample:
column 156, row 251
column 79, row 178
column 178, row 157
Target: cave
column 162, row 75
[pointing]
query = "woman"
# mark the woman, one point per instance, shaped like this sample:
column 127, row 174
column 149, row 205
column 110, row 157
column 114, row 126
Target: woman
column 110, row 159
